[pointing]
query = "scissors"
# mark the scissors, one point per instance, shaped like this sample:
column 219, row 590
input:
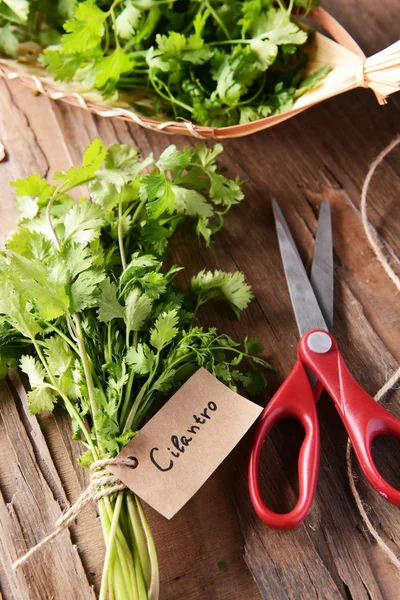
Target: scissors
column 319, row 366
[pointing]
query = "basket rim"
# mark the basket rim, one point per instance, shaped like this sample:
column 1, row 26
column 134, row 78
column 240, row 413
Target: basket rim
column 47, row 86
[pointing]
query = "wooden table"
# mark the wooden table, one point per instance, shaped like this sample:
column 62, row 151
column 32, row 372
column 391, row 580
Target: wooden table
column 323, row 152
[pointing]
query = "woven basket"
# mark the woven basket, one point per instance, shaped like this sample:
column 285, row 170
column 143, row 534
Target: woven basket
column 349, row 69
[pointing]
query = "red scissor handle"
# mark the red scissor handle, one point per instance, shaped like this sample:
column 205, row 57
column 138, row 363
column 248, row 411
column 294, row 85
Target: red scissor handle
column 362, row 416
column 294, row 399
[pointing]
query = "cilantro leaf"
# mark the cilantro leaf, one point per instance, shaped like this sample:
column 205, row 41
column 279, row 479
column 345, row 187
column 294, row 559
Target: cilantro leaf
column 83, row 223
column 265, row 51
column 121, row 156
column 8, row 42
column 58, row 354
column 92, row 160
column 164, row 330
column 14, row 306
column 83, row 289
column 110, row 68
column 141, row 359
column 137, row 308
column 85, row 30
column 32, row 192
column 45, row 284
column 278, row 28
column 86, row 459
column 40, row 400
column 109, row 307
column 158, row 192
column 190, row 202
column 173, row 159
column 20, row 8
column 33, row 369
column 208, row 286
column 127, row 21
column 176, row 47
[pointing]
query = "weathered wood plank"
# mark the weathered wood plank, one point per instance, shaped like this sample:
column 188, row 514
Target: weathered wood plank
column 33, row 511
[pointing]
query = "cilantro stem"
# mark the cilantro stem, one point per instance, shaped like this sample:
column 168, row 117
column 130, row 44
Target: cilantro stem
column 230, row 42
column 121, row 237
column 107, row 37
column 138, row 536
column 123, row 550
column 112, row 7
column 151, row 4
column 114, row 28
column 137, row 211
column 68, row 404
column 153, row 591
column 88, row 375
column 49, row 221
column 63, row 336
column 217, row 19
column 168, row 97
column 71, row 329
column 139, row 397
column 116, row 574
column 110, row 547
column 258, row 92
column 128, row 389
column 116, row 578
column 109, row 348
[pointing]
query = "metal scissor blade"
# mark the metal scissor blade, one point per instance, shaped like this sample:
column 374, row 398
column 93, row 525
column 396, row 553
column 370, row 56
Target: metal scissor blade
column 305, row 305
column 321, row 278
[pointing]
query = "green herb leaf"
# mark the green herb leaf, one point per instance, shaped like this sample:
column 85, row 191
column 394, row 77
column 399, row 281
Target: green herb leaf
column 137, row 308
column 83, row 223
column 141, row 359
column 109, row 307
column 165, row 329
column 19, row 7
column 85, row 30
column 58, row 355
column 8, row 42
column 92, row 161
column 40, row 400
column 208, row 286
column 127, row 21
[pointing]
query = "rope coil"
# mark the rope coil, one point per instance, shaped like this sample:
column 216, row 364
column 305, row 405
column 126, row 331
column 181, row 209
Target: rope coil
column 102, row 483
column 377, row 248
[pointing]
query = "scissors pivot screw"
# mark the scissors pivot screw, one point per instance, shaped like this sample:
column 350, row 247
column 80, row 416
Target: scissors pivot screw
column 319, row 342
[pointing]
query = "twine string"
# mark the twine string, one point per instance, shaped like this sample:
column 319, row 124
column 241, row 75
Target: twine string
column 102, row 483
column 377, row 248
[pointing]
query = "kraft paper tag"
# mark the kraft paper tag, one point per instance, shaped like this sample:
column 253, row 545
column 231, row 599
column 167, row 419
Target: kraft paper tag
column 183, row 444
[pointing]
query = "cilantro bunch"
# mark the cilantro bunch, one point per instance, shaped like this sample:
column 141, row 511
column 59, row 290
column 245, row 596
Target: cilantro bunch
column 89, row 311
column 213, row 62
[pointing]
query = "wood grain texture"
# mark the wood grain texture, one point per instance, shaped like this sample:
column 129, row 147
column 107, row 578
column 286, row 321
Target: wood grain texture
column 323, row 152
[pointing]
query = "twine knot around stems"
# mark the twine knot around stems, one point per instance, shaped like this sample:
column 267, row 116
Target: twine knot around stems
column 102, row 483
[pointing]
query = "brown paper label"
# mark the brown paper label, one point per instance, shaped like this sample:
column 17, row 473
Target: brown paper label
column 183, row 444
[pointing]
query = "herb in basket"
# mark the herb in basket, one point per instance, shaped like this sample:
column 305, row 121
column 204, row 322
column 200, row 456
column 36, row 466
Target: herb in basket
column 90, row 313
column 213, row 62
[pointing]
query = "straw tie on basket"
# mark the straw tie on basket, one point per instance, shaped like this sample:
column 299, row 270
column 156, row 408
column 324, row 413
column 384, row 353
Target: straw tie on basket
column 381, row 72
column 102, row 483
